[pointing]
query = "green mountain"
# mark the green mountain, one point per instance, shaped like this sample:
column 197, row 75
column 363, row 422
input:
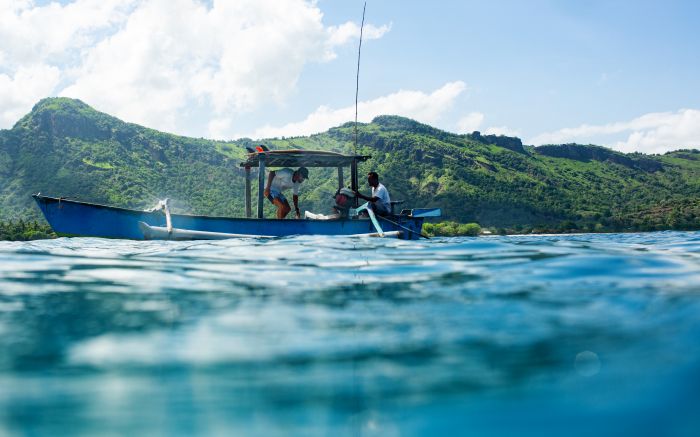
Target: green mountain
column 63, row 147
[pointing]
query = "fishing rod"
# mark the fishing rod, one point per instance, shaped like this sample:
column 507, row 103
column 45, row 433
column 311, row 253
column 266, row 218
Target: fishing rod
column 357, row 79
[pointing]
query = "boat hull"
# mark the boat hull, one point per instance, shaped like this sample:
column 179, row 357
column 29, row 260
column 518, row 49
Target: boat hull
column 74, row 218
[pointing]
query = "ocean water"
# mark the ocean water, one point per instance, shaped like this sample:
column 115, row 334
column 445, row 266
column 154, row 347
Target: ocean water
column 524, row 335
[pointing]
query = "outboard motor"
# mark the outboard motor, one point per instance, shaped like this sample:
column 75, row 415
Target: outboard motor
column 344, row 200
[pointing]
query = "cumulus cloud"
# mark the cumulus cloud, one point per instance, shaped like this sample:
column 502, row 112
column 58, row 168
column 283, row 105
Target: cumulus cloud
column 502, row 130
column 474, row 121
column 54, row 33
column 656, row 132
column 470, row 122
column 158, row 62
column 39, row 45
column 418, row 105
column 23, row 89
column 342, row 34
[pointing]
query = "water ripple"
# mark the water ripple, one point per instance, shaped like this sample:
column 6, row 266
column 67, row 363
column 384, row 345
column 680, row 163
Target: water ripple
column 344, row 326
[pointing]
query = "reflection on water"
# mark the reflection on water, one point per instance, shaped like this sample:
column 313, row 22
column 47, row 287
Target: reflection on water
column 573, row 334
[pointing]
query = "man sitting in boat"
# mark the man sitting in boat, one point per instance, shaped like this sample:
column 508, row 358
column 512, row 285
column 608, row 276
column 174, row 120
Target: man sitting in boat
column 379, row 202
column 284, row 179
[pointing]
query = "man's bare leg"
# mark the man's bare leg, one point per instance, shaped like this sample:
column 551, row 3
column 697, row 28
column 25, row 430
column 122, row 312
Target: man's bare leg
column 283, row 208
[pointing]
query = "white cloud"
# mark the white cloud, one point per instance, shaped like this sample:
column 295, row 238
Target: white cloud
column 470, row 122
column 655, row 132
column 24, row 88
column 420, row 106
column 54, row 33
column 502, row 130
column 348, row 31
column 156, row 62
column 39, row 43
column 473, row 122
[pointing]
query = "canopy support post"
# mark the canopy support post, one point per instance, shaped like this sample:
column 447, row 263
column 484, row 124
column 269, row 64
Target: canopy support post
column 353, row 180
column 261, row 183
column 340, row 177
column 248, row 208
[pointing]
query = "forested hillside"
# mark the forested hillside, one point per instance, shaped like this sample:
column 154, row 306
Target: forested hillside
column 65, row 148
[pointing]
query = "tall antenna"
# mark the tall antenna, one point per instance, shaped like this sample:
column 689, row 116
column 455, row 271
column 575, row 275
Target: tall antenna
column 357, row 82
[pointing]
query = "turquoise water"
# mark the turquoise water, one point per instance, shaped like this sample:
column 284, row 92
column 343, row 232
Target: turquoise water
column 570, row 335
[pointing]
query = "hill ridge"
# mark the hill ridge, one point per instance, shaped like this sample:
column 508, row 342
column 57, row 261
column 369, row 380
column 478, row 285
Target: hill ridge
column 65, row 147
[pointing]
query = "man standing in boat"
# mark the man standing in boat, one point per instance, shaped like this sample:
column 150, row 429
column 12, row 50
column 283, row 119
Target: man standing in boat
column 284, row 179
column 379, row 201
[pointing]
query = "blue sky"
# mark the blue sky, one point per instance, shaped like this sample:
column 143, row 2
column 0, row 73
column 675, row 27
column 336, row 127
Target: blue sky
column 624, row 74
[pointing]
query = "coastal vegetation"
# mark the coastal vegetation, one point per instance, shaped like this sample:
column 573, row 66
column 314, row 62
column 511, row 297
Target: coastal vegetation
column 63, row 147
column 22, row 230
column 451, row 229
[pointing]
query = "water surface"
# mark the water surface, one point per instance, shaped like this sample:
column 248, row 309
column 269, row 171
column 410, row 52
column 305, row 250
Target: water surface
column 572, row 335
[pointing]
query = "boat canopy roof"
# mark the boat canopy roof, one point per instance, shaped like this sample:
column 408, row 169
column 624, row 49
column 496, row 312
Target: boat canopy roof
column 302, row 158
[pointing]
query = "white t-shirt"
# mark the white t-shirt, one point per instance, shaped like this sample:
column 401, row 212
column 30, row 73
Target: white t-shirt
column 283, row 181
column 381, row 192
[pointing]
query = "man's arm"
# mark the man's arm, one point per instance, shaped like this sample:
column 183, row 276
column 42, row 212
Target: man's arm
column 367, row 198
column 270, row 177
column 295, row 198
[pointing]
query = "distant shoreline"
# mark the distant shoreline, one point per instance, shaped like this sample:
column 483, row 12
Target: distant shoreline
column 31, row 230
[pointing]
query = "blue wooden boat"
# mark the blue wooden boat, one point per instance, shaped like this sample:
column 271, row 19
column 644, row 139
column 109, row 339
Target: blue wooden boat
column 76, row 218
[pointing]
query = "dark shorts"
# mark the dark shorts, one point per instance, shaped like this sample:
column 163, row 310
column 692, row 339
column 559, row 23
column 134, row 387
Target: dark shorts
column 274, row 194
column 379, row 208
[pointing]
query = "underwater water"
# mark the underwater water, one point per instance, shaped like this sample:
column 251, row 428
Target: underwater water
column 524, row 335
